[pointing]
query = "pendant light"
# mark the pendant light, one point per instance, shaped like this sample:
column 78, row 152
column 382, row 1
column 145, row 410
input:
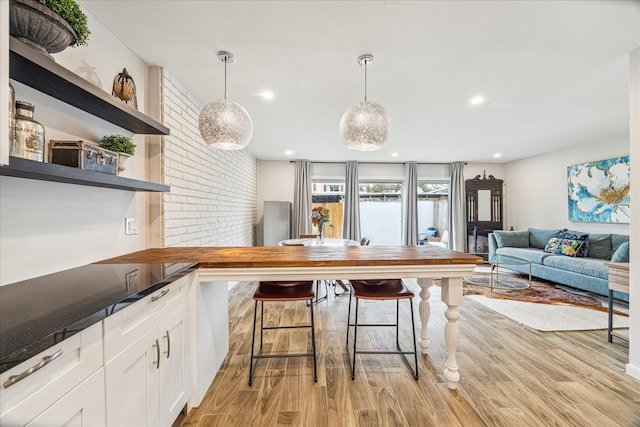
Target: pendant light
column 225, row 124
column 365, row 125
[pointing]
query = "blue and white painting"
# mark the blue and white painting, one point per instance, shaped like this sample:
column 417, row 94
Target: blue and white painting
column 599, row 191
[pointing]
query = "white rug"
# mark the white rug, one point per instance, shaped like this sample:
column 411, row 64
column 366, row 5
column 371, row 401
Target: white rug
column 548, row 317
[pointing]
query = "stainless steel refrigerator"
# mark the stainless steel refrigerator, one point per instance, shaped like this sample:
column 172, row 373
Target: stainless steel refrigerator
column 276, row 224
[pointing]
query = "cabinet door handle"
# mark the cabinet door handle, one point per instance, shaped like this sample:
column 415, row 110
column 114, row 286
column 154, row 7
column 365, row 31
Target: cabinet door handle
column 157, row 297
column 168, row 344
column 44, row 362
column 157, row 346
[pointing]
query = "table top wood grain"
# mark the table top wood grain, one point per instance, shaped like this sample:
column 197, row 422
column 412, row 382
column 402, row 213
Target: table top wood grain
column 298, row 256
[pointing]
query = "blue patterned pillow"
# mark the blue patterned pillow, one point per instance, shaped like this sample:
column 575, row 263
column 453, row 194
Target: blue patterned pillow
column 574, row 235
column 560, row 246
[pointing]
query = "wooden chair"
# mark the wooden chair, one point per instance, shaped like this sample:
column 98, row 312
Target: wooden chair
column 282, row 292
column 382, row 289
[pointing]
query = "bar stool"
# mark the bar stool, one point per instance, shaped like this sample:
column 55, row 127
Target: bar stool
column 381, row 289
column 282, row 292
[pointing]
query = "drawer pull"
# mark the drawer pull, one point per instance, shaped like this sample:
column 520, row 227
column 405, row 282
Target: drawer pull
column 157, row 346
column 168, row 344
column 163, row 293
column 44, row 362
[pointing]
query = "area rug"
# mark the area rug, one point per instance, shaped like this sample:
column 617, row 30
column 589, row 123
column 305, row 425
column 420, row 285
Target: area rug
column 544, row 307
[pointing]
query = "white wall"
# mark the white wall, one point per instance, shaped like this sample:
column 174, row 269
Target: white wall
column 536, row 188
column 633, row 368
column 47, row 227
column 275, row 182
column 213, row 196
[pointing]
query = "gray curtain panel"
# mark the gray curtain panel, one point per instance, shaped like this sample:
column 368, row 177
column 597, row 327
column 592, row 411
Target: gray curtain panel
column 351, row 220
column 457, row 223
column 301, row 223
column 410, row 205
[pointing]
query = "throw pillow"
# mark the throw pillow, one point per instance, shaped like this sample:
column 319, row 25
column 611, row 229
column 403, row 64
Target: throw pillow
column 621, row 254
column 512, row 239
column 576, row 235
column 538, row 237
column 559, row 246
column 430, row 232
column 617, row 240
column 600, row 246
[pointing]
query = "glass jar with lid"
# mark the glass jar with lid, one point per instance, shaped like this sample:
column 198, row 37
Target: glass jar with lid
column 28, row 141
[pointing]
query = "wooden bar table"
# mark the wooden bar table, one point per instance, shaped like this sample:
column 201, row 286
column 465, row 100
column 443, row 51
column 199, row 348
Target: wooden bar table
column 254, row 263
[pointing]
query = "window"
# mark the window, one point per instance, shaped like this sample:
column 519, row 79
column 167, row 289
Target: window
column 329, row 195
column 433, row 206
column 381, row 212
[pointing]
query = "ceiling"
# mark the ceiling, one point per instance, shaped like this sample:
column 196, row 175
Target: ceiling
column 553, row 74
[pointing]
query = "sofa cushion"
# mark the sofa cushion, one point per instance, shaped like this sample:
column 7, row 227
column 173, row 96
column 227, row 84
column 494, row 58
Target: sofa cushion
column 616, row 241
column 512, row 239
column 622, row 253
column 559, row 246
column 588, row 266
column 600, row 246
column 577, row 235
column 538, row 238
column 534, row 255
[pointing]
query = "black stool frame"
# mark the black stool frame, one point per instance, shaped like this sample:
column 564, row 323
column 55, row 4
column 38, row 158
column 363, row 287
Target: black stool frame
column 352, row 362
column 252, row 366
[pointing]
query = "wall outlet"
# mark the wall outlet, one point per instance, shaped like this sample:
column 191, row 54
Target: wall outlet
column 131, row 280
column 130, row 226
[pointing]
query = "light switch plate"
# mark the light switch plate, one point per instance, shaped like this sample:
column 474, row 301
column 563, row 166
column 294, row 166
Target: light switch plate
column 130, row 226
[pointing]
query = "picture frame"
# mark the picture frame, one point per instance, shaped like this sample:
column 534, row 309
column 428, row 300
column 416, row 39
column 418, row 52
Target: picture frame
column 600, row 191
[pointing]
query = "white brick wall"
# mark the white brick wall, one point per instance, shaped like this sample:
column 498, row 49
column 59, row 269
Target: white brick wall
column 213, row 198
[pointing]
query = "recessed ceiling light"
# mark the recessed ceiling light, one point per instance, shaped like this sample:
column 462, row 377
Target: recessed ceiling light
column 476, row 100
column 267, row 94
column 394, row 154
column 288, row 152
column 497, row 155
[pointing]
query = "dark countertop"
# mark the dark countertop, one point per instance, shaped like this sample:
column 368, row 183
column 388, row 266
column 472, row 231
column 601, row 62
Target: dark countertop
column 36, row 314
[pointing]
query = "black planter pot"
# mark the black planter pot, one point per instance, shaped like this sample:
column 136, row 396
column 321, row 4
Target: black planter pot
column 39, row 27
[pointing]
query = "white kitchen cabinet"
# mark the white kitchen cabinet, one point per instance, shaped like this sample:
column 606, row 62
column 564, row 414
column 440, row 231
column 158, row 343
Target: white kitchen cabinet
column 40, row 390
column 147, row 374
column 174, row 375
column 82, row 406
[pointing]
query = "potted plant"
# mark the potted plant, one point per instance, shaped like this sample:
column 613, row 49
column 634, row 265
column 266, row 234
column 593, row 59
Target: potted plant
column 123, row 145
column 50, row 26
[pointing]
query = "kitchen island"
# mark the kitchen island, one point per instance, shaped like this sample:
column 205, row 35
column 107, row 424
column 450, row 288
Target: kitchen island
column 426, row 263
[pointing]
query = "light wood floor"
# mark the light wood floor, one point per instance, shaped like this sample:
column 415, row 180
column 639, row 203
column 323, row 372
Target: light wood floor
column 510, row 375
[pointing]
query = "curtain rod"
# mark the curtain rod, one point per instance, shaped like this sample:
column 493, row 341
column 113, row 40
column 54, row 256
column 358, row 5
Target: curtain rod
column 377, row 163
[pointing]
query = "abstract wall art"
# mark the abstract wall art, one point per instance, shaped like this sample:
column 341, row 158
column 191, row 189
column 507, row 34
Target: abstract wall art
column 599, row 191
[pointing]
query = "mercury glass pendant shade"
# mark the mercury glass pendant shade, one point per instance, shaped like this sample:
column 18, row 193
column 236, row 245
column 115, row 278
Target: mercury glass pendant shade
column 225, row 124
column 365, row 125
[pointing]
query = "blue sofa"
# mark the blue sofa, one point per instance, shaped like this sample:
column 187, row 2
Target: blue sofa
column 588, row 272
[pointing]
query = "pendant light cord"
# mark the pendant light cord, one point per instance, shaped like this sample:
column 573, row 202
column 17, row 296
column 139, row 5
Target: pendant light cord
column 225, row 79
column 365, row 82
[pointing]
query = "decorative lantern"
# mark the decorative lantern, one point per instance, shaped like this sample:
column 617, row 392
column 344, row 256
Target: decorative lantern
column 125, row 89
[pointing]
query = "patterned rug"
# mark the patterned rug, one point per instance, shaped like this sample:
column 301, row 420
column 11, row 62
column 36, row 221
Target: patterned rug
column 541, row 292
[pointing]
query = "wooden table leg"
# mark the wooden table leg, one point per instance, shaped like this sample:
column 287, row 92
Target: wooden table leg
column 424, row 309
column 452, row 297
